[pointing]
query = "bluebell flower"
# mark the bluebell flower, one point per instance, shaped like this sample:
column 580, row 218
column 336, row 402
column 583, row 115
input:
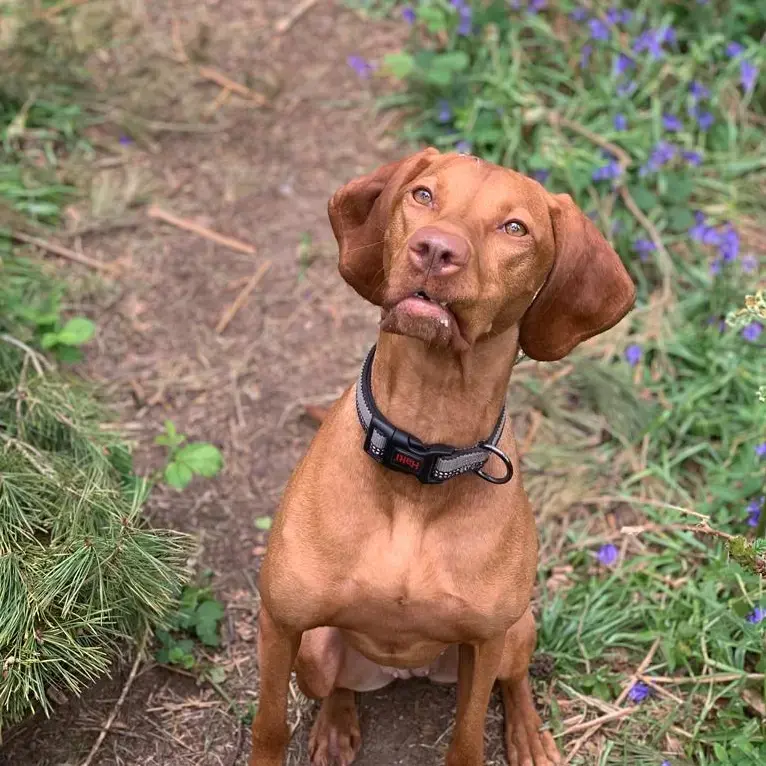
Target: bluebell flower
column 633, row 354
column 753, row 509
column 618, row 16
column 465, row 27
column 541, row 175
column 752, row 332
column 704, row 119
column 671, row 122
column 748, row 74
column 728, row 244
column 579, row 14
column 715, row 267
column 535, row 6
column 692, row 158
column 643, row 247
column 608, row 172
column 697, row 232
column 598, row 30
column 661, row 154
column 698, row 90
column 760, row 451
column 585, row 53
column 650, row 41
column 667, row 35
column 639, row 692
column 749, row 263
column 734, row 49
column 361, row 66
column 622, row 64
column 607, row 554
column 756, row 616
column 463, row 147
column 445, row 112
column 620, row 122
column 408, row 14
column 125, row 140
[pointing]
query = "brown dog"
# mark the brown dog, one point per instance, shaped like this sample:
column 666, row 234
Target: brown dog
column 371, row 574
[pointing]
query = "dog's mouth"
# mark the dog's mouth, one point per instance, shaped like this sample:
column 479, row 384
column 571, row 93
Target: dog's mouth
column 423, row 316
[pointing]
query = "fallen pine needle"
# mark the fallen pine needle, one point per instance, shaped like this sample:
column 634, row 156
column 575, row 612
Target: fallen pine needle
column 62, row 251
column 120, row 701
column 239, row 301
column 219, row 78
column 202, row 231
column 285, row 23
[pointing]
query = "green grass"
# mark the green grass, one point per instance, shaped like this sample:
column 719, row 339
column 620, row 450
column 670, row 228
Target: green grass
column 627, row 454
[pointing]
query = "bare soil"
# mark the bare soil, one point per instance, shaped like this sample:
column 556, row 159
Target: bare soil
column 298, row 339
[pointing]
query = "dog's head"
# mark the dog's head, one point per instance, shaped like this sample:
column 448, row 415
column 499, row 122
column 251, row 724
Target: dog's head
column 455, row 249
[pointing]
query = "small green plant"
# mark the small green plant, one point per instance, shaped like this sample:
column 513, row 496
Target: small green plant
column 306, row 255
column 197, row 619
column 185, row 461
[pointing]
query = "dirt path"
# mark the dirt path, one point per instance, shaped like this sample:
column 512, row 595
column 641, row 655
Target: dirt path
column 300, row 337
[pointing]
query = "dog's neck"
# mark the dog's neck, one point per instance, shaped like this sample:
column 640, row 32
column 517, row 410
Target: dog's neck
column 440, row 395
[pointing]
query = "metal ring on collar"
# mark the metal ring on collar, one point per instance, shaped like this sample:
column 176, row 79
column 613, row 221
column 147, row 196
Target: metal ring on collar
column 506, row 461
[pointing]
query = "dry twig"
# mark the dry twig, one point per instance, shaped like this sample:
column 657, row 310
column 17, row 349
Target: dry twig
column 202, row 231
column 219, row 78
column 64, row 252
column 230, row 312
column 287, row 21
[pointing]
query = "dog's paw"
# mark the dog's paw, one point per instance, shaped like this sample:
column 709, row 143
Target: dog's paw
column 335, row 737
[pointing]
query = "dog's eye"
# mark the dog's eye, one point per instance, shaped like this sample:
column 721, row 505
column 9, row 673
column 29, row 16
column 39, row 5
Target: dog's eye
column 515, row 228
column 422, row 195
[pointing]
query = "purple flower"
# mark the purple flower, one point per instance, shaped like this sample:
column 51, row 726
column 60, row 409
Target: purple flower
column 465, row 27
column 661, row 154
column 620, row 122
column 541, row 175
column 748, row 74
column 463, row 147
column 622, row 64
column 734, row 49
column 445, row 113
column 700, row 228
column 643, row 247
column 639, row 692
column 692, row 158
column 651, row 40
column 617, row 16
column 579, row 14
column 361, row 66
column 704, row 119
column 626, row 88
column 752, row 332
column 537, row 5
column 598, row 30
column 587, row 49
column 671, row 122
column 608, row 172
column 607, row 554
column 408, row 14
column 756, row 616
column 125, row 140
column 668, row 35
column 667, row 763
column 728, row 243
column 760, row 451
column 749, row 263
column 698, row 90
column 754, row 511
column 715, row 267
column 633, row 354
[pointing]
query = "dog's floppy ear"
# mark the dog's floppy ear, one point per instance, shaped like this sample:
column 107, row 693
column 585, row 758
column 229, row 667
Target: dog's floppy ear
column 359, row 213
column 587, row 291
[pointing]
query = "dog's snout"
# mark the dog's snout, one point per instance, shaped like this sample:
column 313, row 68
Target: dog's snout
column 438, row 252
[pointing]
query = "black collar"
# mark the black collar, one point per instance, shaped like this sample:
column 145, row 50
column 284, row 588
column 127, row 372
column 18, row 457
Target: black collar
column 429, row 463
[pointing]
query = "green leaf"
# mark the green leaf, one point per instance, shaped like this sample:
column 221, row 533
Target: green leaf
column 49, row 339
column 679, row 189
column 643, row 197
column 209, row 614
column 263, row 523
column 68, row 354
column 201, row 458
column 680, row 219
column 76, row 331
column 170, row 438
column 400, row 65
column 216, row 674
column 178, row 475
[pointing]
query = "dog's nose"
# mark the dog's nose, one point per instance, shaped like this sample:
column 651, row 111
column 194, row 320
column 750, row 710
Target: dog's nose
column 437, row 252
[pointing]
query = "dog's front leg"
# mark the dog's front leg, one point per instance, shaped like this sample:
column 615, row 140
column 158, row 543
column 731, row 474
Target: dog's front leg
column 477, row 671
column 277, row 649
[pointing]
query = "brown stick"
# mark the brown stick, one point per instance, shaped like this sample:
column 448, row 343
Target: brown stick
column 714, row 678
column 202, row 231
column 65, row 5
column 120, row 701
column 600, row 721
column 219, row 78
column 285, row 23
column 239, row 301
column 64, row 252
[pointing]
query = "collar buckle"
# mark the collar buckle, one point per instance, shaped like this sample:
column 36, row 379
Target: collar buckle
column 404, row 452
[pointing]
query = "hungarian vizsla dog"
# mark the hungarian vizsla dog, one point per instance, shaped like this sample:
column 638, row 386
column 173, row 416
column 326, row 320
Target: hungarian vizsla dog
column 405, row 545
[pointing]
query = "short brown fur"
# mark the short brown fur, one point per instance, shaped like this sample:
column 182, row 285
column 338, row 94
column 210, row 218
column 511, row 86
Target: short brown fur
column 370, row 574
